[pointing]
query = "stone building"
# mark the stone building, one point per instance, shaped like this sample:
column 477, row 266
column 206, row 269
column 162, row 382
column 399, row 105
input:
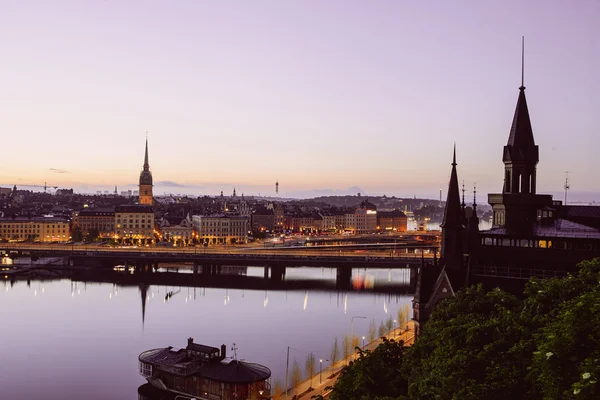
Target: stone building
column 221, row 228
column 134, row 223
column 42, row 229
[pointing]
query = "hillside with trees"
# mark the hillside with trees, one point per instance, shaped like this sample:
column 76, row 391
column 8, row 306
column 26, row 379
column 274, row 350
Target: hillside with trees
column 492, row 345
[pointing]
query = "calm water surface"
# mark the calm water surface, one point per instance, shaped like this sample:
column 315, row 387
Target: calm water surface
column 73, row 340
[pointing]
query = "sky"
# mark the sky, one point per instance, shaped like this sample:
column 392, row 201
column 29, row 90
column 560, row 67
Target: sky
column 325, row 97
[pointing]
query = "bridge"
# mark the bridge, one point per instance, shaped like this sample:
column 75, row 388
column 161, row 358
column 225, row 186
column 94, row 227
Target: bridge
column 209, row 261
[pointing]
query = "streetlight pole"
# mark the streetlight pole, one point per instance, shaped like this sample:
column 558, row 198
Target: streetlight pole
column 352, row 323
column 395, row 328
column 287, row 365
column 320, row 371
column 363, row 346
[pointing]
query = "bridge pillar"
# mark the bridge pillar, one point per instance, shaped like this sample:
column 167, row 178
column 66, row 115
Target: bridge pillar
column 195, row 268
column 277, row 273
column 344, row 277
column 266, row 272
column 414, row 274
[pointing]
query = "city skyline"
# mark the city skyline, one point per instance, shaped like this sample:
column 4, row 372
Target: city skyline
column 326, row 98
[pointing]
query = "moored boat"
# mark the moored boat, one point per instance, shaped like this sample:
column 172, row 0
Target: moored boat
column 204, row 372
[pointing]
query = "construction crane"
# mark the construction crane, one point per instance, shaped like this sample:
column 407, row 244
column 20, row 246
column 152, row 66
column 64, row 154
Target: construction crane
column 45, row 186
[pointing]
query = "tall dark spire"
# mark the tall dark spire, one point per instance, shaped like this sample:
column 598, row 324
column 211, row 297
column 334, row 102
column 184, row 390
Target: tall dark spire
column 453, row 214
column 521, row 154
column 146, row 164
column 521, row 145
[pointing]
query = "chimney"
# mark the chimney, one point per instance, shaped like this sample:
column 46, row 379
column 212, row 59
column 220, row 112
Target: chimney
column 190, row 341
column 223, row 351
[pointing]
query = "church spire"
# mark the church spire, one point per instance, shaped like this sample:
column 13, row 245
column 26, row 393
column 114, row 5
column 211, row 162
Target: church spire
column 453, row 215
column 146, row 164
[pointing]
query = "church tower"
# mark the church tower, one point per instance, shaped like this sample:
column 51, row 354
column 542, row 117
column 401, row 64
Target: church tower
column 146, row 181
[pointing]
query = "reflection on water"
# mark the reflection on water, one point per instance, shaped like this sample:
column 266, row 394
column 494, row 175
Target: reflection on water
column 79, row 338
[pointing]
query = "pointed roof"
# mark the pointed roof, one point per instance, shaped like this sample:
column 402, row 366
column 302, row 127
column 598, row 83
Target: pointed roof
column 146, row 164
column 521, row 145
column 453, row 214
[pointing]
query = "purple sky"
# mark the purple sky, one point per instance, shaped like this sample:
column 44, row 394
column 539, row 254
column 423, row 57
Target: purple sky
column 320, row 95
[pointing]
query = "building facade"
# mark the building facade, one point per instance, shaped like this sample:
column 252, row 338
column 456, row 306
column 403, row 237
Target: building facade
column 532, row 234
column 392, row 221
column 99, row 219
column 36, row 229
column 180, row 234
column 221, row 229
column 145, row 191
column 134, row 223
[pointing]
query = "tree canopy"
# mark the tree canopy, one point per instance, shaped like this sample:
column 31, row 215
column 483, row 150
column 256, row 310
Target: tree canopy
column 493, row 345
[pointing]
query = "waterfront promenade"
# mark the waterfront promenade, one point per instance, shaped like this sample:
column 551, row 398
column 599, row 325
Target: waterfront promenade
column 330, row 374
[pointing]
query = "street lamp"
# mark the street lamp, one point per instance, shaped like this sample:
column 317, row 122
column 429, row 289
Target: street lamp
column 363, row 346
column 320, row 371
column 352, row 329
column 395, row 328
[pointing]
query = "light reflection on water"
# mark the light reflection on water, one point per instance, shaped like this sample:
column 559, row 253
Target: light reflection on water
column 64, row 339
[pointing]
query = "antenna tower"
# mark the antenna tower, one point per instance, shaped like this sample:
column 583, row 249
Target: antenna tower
column 234, row 349
column 567, row 186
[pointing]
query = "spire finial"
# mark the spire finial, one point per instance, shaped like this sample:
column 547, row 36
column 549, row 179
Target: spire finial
column 463, row 196
column 474, row 196
column 454, row 156
column 522, row 63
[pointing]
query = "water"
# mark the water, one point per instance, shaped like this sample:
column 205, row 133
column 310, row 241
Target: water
column 72, row 340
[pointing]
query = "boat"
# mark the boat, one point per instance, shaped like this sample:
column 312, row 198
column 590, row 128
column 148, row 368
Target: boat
column 204, row 372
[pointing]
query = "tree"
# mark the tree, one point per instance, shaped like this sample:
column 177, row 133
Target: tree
column 92, row 235
column 466, row 349
column 309, row 367
column 372, row 330
column 334, row 353
column 296, row 375
column 346, row 345
column 389, row 325
column 403, row 316
column 381, row 330
column 77, row 235
column 355, row 343
column 277, row 389
column 374, row 375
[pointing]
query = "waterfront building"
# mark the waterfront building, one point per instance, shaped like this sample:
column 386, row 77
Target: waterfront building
column 263, row 219
column 134, row 223
column 145, row 191
column 279, row 214
column 221, row 228
column 100, row 219
column 392, row 221
column 362, row 220
column 42, row 229
column 180, row 233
